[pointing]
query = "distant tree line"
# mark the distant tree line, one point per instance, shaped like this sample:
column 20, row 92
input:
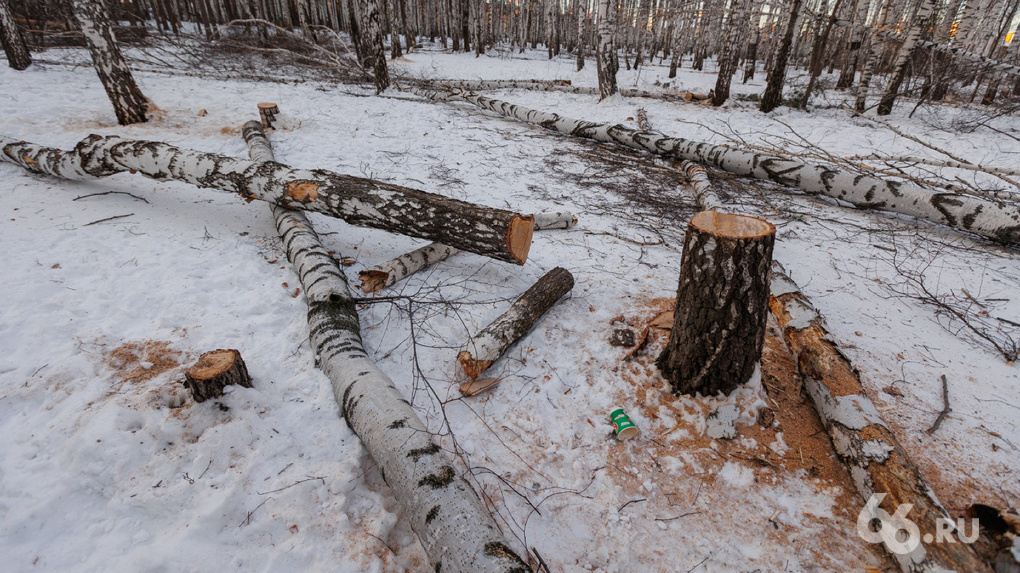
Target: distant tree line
column 930, row 49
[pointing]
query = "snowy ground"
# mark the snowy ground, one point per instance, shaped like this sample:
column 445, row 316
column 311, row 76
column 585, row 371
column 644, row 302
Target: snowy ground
column 100, row 321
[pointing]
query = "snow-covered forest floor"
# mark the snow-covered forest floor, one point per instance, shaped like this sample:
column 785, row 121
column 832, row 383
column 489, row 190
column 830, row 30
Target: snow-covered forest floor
column 108, row 298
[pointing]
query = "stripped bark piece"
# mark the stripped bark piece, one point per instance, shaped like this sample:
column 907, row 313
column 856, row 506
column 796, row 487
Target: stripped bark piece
column 721, row 305
column 476, row 387
column 494, row 233
column 877, row 462
column 488, row 345
column 995, row 220
column 446, row 514
column 389, row 273
column 214, row 371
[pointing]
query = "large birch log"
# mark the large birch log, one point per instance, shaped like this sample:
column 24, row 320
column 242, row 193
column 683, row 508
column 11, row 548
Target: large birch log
column 389, row 273
column 992, row 219
column 494, row 233
column 877, row 462
column 488, row 345
column 11, row 39
column 562, row 86
column 721, row 304
column 446, row 514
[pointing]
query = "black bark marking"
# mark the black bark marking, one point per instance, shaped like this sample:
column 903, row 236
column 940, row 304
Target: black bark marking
column 398, row 424
column 438, row 480
column 500, row 549
column 428, row 450
column 431, row 514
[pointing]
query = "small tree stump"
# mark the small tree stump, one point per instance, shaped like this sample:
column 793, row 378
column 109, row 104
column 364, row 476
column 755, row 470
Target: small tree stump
column 213, row 371
column 267, row 112
column 721, row 304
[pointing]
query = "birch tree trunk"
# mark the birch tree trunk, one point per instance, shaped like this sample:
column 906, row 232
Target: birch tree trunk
column 581, row 6
column 128, row 102
column 773, row 95
column 877, row 462
column 736, row 27
column 13, row 41
column 721, row 304
column 861, row 103
column 918, row 25
column 818, row 53
column 445, row 513
column 608, row 64
column 370, row 29
column 495, row 233
column 997, row 221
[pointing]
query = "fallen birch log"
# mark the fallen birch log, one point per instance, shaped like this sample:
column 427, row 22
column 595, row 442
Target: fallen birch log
column 389, row 273
column 989, row 169
column 488, row 345
column 446, row 514
column 877, row 462
column 562, row 86
column 992, row 219
column 495, row 233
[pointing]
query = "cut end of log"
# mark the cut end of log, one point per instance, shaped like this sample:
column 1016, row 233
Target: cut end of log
column 303, row 191
column 518, row 238
column 473, row 368
column 213, row 371
column 732, row 226
column 372, row 281
column 476, row 387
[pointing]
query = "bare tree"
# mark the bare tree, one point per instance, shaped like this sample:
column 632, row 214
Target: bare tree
column 918, row 25
column 128, row 101
column 608, row 63
column 773, row 95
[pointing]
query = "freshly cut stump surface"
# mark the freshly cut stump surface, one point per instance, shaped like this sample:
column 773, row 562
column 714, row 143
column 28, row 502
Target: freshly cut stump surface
column 722, row 304
column 213, row 371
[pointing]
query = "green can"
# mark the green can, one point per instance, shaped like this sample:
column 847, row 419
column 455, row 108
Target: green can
column 623, row 427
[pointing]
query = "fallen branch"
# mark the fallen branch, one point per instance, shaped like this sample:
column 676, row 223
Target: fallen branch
column 455, row 530
column 877, row 462
column 495, row 233
column 992, row 219
column 389, row 273
column 945, row 407
column 488, row 345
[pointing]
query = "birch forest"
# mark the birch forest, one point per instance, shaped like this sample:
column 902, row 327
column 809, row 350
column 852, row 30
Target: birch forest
column 510, row 285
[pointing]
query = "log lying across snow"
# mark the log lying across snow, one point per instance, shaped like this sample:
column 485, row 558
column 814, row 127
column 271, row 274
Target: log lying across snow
column 389, row 273
column 563, row 86
column 495, row 233
column 992, row 219
column 878, row 463
column 454, row 528
column 488, row 345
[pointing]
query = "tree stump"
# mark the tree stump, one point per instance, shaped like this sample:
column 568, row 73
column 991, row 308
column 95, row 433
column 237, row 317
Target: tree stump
column 267, row 113
column 213, row 371
column 721, row 304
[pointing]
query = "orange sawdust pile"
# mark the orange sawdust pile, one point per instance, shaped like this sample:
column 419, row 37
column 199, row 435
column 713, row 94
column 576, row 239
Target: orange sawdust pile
column 131, row 360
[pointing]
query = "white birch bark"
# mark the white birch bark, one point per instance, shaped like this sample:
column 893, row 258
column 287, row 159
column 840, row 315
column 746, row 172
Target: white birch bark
column 389, row 273
column 128, row 101
column 494, row 233
column 918, row 25
column 13, row 41
column 995, row 220
column 487, row 346
column 446, row 514
column 605, row 53
column 701, row 187
column 877, row 462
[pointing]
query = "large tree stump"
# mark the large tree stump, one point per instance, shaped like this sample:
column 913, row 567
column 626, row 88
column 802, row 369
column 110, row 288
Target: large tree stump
column 213, row 371
column 488, row 345
column 721, row 304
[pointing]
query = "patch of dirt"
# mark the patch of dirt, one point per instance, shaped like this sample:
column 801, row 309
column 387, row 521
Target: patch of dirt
column 142, row 360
